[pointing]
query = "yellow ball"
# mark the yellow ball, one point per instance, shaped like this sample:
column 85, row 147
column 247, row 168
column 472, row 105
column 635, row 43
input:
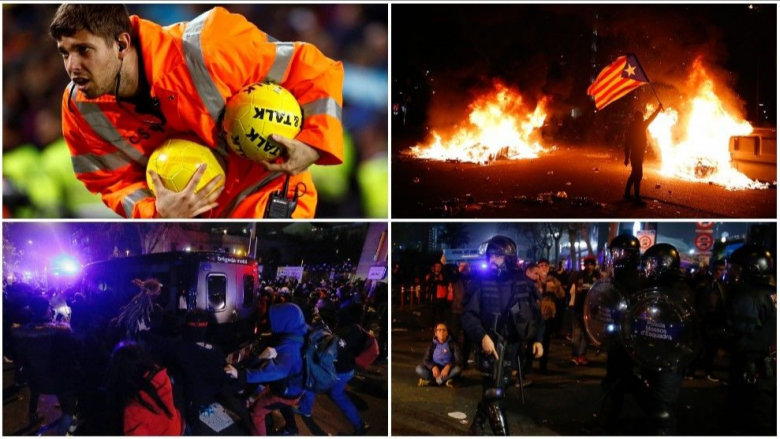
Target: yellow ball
column 176, row 160
column 256, row 112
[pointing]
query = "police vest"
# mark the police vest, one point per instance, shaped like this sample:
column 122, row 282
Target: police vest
column 507, row 306
column 752, row 316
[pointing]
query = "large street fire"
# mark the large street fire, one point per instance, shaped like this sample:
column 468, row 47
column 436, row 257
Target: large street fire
column 694, row 141
column 500, row 125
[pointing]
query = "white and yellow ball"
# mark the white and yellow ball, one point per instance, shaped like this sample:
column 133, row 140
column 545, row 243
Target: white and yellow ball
column 176, row 161
column 256, row 112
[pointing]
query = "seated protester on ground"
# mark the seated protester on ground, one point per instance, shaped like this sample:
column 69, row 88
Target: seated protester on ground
column 353, row 340
column 140, row 394
column 47, row 352
column 441, row 360
column 281, row 366
column 199, row 368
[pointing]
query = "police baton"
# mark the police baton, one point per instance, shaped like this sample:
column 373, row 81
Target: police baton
column 520, row 377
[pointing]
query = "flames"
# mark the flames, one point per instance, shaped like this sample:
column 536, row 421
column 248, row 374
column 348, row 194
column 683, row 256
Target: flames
column 500, row 125
column 694, row 142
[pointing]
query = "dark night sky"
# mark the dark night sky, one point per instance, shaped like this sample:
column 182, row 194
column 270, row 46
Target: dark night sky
column 43, row 241
column 546, row 49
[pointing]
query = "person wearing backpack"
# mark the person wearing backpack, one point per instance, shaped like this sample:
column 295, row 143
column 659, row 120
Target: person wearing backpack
column 281, row 368
column 352, row 339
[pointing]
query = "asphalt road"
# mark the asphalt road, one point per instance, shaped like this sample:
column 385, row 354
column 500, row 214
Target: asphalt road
column 593, row 179
column 563, row 402
column 368, row 391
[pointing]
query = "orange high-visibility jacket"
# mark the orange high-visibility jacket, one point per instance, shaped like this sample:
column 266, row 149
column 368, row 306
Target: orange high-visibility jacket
column 193, row 68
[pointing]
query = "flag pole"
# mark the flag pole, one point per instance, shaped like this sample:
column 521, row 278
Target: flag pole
column 648, row 78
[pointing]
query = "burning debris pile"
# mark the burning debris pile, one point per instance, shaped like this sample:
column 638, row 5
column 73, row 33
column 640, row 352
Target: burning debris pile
column 693, row 141
column 500, row 126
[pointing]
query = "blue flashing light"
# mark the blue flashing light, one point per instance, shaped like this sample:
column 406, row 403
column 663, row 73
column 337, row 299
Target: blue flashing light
column 484, row 266
column 66, row 265
column 70, row 267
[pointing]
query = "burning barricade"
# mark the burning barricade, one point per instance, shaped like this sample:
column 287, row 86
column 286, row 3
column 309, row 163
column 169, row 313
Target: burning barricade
column 501, row 125
column 693, row 141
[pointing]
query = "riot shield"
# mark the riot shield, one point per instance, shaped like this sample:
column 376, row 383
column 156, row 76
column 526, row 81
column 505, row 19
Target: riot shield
column 660, row 330
column 604, row 306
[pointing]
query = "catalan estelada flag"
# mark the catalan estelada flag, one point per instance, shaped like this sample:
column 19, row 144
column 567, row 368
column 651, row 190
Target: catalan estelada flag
column 617, row 80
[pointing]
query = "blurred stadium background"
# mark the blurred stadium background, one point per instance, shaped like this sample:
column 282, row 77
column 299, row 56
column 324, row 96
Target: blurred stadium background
column 38, row 180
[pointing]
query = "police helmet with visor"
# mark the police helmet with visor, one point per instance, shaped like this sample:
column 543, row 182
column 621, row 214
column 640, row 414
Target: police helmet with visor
column 753, row 263
column 500, row 246
column 624, row 252
column 660, row 259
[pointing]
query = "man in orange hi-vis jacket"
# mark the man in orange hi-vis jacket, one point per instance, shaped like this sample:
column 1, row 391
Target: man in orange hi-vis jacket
column 135, row 84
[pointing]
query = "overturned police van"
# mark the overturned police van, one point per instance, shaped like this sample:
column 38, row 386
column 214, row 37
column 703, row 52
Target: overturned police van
column 225, row 286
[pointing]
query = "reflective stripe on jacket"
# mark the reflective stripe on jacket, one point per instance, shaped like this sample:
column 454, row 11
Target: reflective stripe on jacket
column 192, row 69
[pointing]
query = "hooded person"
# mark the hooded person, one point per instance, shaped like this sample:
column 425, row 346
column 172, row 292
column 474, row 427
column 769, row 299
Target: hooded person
column 352, row 340
column 281, row 366
column 199, row 369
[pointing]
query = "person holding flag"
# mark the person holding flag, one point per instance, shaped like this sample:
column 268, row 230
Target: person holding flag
column 635, row 145
column 615, row 81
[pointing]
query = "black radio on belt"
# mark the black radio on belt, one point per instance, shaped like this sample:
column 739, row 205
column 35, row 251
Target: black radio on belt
column 279, row 206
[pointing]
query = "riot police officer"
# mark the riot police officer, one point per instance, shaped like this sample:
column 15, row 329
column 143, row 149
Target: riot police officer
column 661, row 266
column 659, row 346
column 499, row 316
column 624, row 262
column 623, row 268
column 752, row 340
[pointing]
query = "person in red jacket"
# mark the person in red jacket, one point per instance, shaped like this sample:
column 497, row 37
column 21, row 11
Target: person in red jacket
column 140, row 394
column 135, row 84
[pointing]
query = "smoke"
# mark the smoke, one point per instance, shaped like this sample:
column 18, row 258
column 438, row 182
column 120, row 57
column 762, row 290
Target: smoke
column 669, row 41
column 547, row 50
column 492, row 43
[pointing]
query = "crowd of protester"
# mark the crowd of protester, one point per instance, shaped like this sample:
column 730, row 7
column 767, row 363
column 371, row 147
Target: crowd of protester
column 130, row 374
column 561, row 294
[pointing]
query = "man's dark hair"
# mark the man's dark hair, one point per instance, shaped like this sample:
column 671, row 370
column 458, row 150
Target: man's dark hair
column 105, row 21
column 544, row 261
